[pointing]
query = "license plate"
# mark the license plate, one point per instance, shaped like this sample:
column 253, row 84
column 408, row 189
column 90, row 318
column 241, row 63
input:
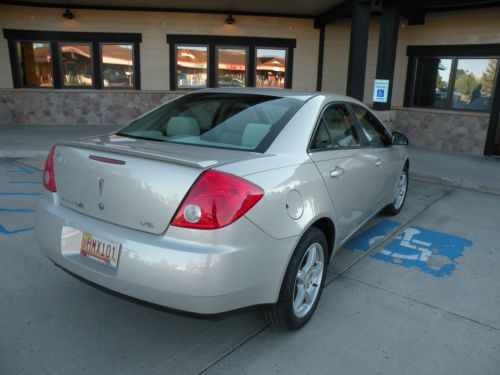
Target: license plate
column 102, row 251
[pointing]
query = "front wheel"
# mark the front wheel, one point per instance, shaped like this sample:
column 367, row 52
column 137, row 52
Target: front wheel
column 402, row 190
column 303, row 283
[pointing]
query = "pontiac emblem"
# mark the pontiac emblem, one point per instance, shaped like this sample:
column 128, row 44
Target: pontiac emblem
column 101, row 185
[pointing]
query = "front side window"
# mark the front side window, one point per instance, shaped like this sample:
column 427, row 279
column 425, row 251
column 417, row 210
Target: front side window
column 474, row 81
column 374, row 132
column 335, row 130
column 231, row 67
column 35, row 64
column 76, row 60
column 191, row 67
column 234, row 121
column 270, row 67
column 117, row 64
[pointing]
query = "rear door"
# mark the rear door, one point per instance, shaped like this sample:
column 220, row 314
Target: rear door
column 346, row 165
column 387, row 162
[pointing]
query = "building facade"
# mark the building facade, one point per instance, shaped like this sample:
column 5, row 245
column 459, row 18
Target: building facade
column 107, row 66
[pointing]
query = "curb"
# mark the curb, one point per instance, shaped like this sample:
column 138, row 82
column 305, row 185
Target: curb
column 457, row 183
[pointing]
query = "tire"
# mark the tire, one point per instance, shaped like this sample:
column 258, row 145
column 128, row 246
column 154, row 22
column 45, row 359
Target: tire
column 300, row 292
column 399, row 200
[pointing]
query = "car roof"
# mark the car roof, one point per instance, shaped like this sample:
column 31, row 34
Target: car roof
column 281, row 93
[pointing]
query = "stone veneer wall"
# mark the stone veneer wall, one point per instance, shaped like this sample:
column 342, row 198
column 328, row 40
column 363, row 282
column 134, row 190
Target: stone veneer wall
column 442, row 130
column 71, row 107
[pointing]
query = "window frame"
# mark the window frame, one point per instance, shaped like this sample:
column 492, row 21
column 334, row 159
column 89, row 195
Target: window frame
column 175, row 65
column 286, row 64
column 15, row 62
column 102, row 70
column 455, row 53
column 217, row 41
column 61, row 70
column 54, row 38
column 217, row 48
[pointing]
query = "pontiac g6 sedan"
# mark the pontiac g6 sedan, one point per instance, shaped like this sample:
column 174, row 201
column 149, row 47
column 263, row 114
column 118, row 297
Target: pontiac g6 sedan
column 222, row 199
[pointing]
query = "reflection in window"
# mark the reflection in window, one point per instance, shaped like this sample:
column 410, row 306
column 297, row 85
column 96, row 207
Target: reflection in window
column 35, row 64
column 432, row 82
column 270, row 67
column 191, row 66
column 231, row 66
column 117, row 64
column 474, row 81
column 76, row 62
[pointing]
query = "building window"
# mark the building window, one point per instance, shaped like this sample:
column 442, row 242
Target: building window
column 456, row 81
column 231, row 67
column 473, row 84
column 76, row 64
column 117, row 64
column 270, row 68
column 74, row 59
column 35, row 64
column 191, row 66
column 198, row 61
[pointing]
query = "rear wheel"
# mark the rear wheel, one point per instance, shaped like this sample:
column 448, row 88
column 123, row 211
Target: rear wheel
column 303, row 283
column 399, row 200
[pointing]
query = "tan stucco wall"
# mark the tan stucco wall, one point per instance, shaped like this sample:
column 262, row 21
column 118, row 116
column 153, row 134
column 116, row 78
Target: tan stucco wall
column 154, row 26
column 458, row 27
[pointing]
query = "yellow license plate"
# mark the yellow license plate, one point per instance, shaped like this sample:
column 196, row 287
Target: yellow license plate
column 102, row 251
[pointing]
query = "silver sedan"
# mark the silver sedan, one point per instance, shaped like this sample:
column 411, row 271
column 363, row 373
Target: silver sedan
column 222, row 200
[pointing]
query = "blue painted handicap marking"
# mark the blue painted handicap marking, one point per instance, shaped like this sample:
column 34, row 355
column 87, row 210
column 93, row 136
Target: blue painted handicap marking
column 4, row 230
column 432, row 252
column 365, row 240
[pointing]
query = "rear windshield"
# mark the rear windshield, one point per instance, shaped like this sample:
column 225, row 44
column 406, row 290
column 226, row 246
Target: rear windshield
column 234, row 121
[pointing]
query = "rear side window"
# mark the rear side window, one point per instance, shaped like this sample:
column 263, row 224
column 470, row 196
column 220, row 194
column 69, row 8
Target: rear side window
column 335, row 130
column 235, row 121
column 375, row 133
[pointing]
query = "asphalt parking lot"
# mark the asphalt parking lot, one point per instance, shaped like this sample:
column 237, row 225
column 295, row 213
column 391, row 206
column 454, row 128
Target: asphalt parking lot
column 417, row 293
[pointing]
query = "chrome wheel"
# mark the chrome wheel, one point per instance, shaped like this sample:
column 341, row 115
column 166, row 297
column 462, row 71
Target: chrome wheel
column 308, row 280
column 401, row 193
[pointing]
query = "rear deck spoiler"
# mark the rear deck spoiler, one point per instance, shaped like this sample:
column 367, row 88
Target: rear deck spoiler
column 137, row 152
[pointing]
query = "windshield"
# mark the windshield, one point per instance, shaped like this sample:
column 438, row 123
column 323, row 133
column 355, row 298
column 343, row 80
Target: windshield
column 234, row 121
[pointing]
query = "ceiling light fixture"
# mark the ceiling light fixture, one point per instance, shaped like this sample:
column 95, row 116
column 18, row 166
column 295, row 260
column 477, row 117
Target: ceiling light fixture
column 68, row 14
column 230, row 20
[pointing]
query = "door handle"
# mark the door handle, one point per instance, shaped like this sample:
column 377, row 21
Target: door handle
column 378, row 163
column 337, row 172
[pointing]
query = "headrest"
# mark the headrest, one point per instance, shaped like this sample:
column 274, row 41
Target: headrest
column 254, row 133
column 182, row 125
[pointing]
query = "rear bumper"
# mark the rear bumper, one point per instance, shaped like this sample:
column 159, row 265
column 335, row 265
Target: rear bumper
column 200, row 272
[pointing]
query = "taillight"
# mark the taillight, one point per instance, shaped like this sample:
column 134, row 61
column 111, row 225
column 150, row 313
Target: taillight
column 216, row 200
column 48, row 171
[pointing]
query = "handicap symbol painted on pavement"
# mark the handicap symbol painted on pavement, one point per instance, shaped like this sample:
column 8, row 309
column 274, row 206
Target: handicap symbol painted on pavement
column 365, row 240
column 4, row 230
column 432, row 252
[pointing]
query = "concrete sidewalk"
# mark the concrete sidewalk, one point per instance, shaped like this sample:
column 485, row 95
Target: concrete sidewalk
column 479, row 173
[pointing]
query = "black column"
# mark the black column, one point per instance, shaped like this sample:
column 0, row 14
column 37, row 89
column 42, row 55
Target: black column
column 321, row 52
column 388, row 41
column 360, row 25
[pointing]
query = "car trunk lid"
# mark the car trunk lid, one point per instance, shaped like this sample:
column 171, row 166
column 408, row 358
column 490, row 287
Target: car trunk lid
column 135, row 183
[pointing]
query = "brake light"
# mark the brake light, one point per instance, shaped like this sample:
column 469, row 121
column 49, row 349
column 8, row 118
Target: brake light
column 48, row 171
column 216, row 200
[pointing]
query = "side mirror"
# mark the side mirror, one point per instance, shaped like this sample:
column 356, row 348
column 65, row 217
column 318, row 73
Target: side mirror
column 399, row 139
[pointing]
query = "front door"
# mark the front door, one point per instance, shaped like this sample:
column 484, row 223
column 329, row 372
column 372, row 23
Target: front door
column 347, row 167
